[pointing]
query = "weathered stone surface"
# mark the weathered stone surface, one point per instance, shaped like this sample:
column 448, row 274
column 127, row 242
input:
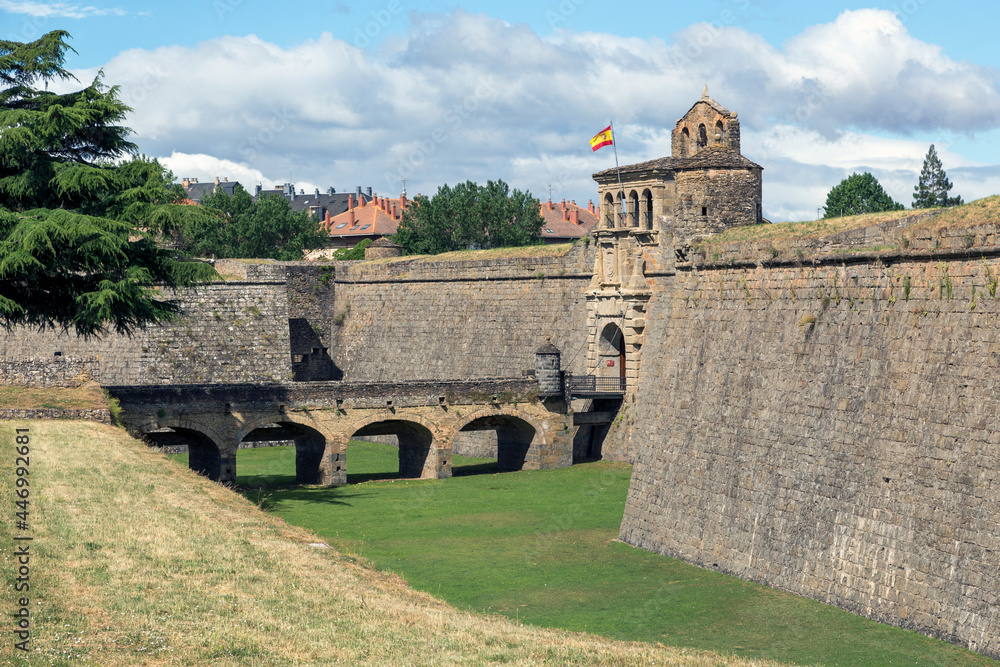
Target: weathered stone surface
column 471, row 319
column 95, row 415
column 229, row 332
column 425, row 418
column 49, row 371
column 830, row 431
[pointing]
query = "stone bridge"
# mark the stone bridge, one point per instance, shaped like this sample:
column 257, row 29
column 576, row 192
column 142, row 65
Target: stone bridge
column 533, row 431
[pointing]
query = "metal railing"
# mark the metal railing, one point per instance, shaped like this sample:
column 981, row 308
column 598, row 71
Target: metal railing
column 591, row 385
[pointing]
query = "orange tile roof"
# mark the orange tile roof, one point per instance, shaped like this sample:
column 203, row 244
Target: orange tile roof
column 567, row 220
column 374, row 218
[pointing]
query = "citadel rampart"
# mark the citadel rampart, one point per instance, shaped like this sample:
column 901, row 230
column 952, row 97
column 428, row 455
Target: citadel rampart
column 229, row 332
column 829, row 429
column 425, row 320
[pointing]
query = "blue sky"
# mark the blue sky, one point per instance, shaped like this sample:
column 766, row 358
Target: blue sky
column 368, row 93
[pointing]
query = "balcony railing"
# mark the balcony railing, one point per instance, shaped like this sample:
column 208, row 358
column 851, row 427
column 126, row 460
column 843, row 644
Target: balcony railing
column 591, row 385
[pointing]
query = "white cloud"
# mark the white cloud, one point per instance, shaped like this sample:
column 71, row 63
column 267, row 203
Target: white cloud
column 206, row 168
column 56, row 9
column 470, row 97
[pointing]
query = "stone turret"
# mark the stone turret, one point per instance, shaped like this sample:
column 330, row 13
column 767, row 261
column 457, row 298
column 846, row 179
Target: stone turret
column 547, row 362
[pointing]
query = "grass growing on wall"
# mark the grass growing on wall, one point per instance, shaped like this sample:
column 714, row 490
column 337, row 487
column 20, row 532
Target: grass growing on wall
column 979, row 212
column 788, row 231
column 543, row 250
column 540, row 547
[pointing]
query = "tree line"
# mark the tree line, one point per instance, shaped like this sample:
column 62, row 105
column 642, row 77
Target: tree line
column 862, row 193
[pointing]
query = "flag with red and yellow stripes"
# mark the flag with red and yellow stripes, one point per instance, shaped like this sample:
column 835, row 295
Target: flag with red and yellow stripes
column 602, row 139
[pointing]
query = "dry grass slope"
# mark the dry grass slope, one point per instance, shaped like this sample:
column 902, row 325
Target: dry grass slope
column 788, row 231
column 980, row 212
column 140, row 562
column 87, row 396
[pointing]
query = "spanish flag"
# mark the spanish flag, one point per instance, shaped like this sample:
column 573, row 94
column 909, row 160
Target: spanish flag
column 602, row 139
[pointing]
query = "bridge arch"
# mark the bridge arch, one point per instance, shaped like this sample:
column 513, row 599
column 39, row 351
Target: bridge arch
column 205, row 446
column 519, row 438
column 311, row 443
column 419, row 443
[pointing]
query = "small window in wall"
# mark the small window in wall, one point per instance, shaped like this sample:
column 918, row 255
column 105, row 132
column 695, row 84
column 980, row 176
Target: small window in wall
column 704, row 210
column 702, row 136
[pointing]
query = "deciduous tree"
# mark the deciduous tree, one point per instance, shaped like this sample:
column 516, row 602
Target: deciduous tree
column 856, row 194
column 470, row 216
column 242, row 227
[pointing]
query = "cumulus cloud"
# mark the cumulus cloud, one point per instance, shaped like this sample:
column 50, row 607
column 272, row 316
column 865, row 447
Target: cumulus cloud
column 466, row 96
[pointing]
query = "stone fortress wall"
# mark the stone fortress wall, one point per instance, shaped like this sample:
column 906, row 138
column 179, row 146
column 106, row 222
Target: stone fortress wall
column 471, row 319
column 228, row 332
column 830, row 430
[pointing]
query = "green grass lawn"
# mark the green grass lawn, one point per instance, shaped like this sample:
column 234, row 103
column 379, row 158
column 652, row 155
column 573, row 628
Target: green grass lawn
column 540, row 547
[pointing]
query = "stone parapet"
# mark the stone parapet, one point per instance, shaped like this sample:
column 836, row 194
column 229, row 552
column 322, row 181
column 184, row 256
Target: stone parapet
column 102, row 415
column 49, row 371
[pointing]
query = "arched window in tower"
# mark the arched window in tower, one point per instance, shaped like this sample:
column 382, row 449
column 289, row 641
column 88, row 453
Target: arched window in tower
column 647, row 209
column 720, row 133
column 620, row 210
column 609, row 211
column 685, row 142
column 702, row 136
column 633, row 209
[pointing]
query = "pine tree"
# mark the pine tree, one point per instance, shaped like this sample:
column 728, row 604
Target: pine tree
column 76, row 224
column 857, row 194
column 933, row 186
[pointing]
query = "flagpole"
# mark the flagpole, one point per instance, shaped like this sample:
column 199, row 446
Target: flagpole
column 621, row 189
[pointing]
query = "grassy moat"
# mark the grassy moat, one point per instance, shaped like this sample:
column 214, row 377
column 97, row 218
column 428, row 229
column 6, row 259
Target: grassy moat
column 136, row 560
column 540, row 547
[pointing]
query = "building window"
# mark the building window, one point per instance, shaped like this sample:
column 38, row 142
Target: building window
column 647, row 218
column 702, row 136
column 704, row 210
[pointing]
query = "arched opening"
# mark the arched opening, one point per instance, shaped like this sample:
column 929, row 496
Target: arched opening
column 702, row 136
column 620, row 210
column 185, row 445
column 647, row 209
column 414, row 442
column 720, row 132
column 633, row 208
column 597, row 414
column 513, row 435
column 609, row 211
column 279, row 445
column 611, row 352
